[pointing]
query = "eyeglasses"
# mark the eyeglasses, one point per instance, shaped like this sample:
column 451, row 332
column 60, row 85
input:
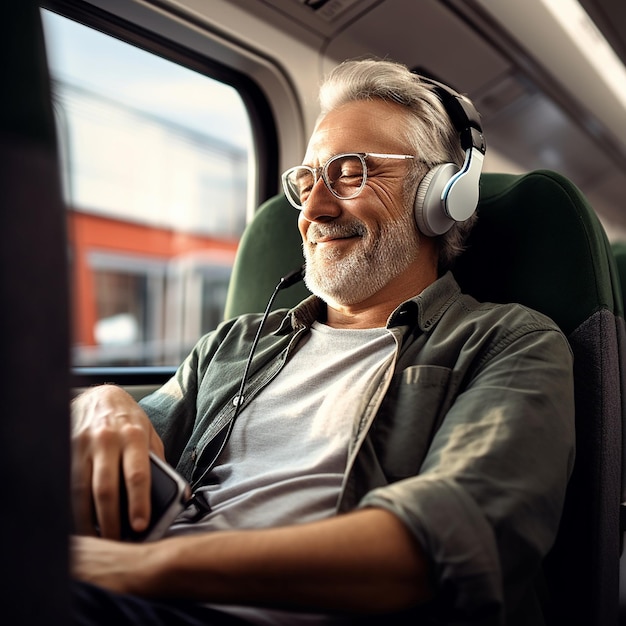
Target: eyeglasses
column 345, row 176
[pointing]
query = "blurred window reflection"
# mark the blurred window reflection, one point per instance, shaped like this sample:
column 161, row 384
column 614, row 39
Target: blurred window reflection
column 157, row 161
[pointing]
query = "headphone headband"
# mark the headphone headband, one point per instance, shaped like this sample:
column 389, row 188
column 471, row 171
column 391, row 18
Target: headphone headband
column 462, row 114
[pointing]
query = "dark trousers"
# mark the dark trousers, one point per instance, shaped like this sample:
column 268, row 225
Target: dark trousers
column 94, row 606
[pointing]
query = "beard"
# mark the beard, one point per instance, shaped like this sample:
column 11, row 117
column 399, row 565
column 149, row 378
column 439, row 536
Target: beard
column 346, row 278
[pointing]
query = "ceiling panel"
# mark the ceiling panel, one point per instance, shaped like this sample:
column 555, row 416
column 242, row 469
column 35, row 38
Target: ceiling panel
column 424, row 34
column 325, row 17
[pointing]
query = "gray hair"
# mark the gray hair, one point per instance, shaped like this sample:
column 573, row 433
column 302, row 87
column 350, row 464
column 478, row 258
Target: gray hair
column 430, row 133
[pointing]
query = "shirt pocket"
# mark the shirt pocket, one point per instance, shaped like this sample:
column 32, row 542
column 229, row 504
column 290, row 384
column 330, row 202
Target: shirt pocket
column 408, row 419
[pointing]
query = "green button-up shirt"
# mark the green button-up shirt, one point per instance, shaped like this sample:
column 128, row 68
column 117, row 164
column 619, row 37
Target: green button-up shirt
column 468, row 439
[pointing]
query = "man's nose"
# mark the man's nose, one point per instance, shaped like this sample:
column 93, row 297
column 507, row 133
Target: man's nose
column 321, row 205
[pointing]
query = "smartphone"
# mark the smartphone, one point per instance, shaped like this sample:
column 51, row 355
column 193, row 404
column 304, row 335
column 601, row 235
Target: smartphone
column 168, row 494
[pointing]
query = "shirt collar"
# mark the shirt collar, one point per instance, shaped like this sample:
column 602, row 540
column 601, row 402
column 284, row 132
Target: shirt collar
column 427, row 308
column 303, row 315
column 424, row 309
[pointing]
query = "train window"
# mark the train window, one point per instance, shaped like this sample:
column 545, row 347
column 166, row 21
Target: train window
column 156, row 163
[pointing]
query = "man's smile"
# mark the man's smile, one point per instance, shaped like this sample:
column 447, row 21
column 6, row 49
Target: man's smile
column 331, row 239
column 319, row 234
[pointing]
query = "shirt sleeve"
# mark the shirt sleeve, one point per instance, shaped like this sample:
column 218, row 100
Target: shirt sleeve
column 171, row 408
column 487, row 502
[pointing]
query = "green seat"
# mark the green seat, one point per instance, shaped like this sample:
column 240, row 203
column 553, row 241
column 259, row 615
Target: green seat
column 269, row 248
column 538, row 242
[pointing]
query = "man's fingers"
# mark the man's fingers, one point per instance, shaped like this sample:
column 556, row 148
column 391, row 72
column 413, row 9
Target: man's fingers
column 136, row 469
column 82, row 503
column 106, row 496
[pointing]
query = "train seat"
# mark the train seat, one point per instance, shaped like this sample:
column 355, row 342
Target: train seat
column 537, row 241
column 619, row 252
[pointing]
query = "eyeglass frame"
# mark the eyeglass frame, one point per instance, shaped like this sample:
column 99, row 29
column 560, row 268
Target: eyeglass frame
column 323, row 171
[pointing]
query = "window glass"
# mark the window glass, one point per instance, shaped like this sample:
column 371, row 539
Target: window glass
column 156, row 166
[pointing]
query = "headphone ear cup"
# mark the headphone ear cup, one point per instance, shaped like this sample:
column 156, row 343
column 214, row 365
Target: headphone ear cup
column 430, row 213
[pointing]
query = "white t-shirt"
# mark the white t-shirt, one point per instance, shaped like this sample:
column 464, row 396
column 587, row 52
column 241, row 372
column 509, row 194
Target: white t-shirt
column 286, row 456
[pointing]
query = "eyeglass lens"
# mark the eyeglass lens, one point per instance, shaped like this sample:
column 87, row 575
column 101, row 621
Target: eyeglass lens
column 344, row 175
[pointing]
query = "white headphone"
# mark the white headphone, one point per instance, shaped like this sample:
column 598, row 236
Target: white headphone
column 448, row 194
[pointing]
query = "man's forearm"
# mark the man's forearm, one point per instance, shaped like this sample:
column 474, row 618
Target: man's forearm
column 365, row 561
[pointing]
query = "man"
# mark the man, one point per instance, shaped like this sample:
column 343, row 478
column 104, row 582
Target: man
column 400, row 450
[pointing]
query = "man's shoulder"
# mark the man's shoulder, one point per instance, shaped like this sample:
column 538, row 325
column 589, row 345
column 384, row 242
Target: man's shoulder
column 478, row 332
column 508, row 313
column 445, row 301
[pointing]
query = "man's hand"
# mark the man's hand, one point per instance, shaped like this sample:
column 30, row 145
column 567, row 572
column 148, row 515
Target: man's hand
column 111, row 438
column 113, row 565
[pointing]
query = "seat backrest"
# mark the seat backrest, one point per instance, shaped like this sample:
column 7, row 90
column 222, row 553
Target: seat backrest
column 619, row 253
column 537, row 242
column 269, row 248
